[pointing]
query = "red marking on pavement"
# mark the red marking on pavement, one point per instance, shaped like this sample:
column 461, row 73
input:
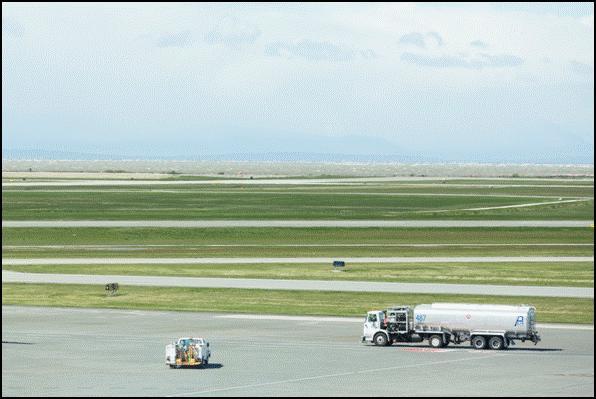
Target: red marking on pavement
column 423, row 350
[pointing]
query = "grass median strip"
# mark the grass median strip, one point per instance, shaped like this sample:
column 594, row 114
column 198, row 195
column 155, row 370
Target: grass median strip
column 289, row 252
column 248, row 203
column 292, row 242
column 313, row 303
column 570, row 274
column 306, row 235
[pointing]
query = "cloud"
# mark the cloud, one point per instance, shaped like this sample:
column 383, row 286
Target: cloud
column 414, row 38
column 180, row 39
column 502, row 60
column 479, row 44
column 421, row 40
column 581, row 69
column 368, row 54
column 232, row 33
column 434, row 35
column 12, row 28
column 458, row 61
column 311, row 50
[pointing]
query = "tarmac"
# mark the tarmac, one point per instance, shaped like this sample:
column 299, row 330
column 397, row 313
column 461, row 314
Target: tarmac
column 318, row 285
column 91, row 352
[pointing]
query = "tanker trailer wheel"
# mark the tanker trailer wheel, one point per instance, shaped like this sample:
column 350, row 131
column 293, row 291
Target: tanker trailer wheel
column 380, row 339
column 436, row 341
column 496, row 343
column 479, row 342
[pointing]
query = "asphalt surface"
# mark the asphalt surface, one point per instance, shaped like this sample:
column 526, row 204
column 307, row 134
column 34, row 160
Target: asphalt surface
column 320, row 285
column 351, row 180
column 297, row 223
column 55, row 352
column 301, row 260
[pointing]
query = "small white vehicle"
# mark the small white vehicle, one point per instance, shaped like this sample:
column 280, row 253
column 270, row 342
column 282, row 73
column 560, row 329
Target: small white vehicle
column 188, row 352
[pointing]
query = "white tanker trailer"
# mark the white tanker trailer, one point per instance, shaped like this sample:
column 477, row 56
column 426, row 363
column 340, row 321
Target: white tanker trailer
column 484, row 326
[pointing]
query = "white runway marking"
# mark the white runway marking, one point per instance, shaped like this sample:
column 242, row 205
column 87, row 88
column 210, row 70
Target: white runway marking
column 290, row 318
column 360, row 320
column 294, row 380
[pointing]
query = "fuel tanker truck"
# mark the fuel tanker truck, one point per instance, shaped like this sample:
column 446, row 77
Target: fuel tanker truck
column 484, row 326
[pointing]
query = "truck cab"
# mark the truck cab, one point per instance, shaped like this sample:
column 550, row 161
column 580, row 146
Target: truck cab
column 383, row 327
column 373, row 324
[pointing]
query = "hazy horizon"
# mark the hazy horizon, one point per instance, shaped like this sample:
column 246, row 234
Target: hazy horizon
column 370, row 82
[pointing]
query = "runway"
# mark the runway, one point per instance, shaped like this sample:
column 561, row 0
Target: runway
column 297, row 223
column 303, row 285
column 87, row 352
column 437, row 181
column 298, row 260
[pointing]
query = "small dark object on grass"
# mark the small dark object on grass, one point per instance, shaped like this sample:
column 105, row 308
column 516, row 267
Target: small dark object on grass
column 111, row 289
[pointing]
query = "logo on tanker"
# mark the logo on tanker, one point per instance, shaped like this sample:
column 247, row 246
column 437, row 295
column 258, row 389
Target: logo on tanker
column 420, row 318
column 468, row 316
column 519, row 321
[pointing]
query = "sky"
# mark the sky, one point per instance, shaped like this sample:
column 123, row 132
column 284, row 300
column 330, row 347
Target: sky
column 424, row 82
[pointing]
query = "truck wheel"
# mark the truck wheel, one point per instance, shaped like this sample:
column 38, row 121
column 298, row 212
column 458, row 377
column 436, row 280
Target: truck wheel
column 436, row 341
column 495, row 343
column 479, row 342
column 380, row 339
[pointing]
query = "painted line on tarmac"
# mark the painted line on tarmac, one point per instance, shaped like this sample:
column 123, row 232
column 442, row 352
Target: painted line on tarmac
column 291, row 318
column 322, row 260
column 359, row 320
column 348, row 373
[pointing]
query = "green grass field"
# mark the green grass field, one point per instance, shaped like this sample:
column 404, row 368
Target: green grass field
column 281, row 235
column 575, row 274
column 302, row 251
column 288, row 202
column 288, row 242
column 548, row 310
column 422, row 199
